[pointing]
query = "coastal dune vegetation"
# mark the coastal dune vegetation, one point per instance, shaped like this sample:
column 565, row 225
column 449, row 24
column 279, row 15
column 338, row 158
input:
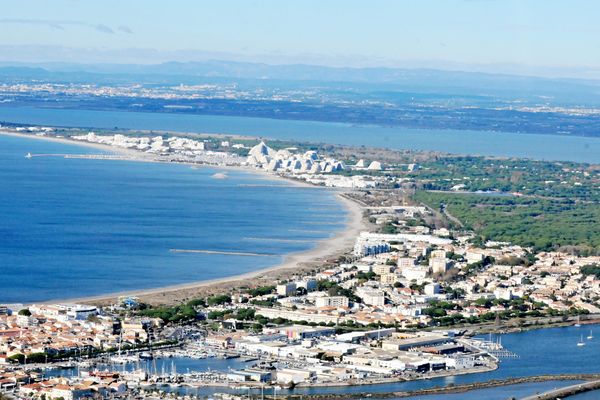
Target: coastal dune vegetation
column 541, row 223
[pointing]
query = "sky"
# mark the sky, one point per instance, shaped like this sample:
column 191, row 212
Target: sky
column 500, row 34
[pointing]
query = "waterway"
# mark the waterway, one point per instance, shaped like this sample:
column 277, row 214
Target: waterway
column 506, row 144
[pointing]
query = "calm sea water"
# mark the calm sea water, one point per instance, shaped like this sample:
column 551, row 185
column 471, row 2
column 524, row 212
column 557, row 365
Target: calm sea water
column 545, row 147
column 77, row 227
column 593, row 395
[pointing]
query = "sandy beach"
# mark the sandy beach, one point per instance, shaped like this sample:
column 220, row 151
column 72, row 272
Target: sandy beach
column 132, row 155
column 293, row 264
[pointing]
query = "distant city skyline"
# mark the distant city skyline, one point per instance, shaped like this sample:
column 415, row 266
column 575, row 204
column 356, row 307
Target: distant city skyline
column 546, row 38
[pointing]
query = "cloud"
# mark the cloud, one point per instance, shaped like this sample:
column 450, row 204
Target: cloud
column 62, row 24
column 124, row 29
column 103, row 28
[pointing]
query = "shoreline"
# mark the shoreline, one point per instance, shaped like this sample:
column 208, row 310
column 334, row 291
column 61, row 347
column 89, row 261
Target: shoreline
column 292, row 263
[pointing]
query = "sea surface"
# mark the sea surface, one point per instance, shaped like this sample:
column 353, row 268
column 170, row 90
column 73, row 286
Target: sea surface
column 505, row 144
column 81, row 227
column 593, row 395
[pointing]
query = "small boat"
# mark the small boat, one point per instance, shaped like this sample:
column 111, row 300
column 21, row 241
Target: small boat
column 591, row 335
column 578, row 323
column 84, row 364
column 123, row 359
column 581, row 342
column 28, row 155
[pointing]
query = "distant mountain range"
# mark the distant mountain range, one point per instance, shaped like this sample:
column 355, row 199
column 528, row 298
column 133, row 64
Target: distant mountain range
column 562, row 90
column 412, row 98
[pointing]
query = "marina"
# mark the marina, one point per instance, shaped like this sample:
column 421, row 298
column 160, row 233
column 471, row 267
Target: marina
column 194, row 370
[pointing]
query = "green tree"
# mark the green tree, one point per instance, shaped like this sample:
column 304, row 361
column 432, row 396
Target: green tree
column 219, row 300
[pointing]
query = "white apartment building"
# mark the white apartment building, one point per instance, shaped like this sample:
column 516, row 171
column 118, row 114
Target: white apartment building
column 286, row 289
column 332, row 301
column 389, row 279
column 405, row 262
column 438, row 265
column 417, row 273
column 372, row 297
column 381, row 269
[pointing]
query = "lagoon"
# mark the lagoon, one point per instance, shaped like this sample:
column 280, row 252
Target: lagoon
column 502, row 144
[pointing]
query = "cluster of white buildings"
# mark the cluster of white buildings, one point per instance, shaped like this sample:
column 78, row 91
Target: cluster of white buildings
column 554, row 280
column 372, row 166
column 38, row 130
column 342, row 181
column 264, row 157
column 397, row 279
column 97, row 385
column 56, row 329
column 314, row 168
column 369, row 243
column 173, row 148
column 155, row 145
column 318, row 354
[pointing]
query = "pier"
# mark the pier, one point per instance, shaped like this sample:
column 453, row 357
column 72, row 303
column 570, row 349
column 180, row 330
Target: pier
column 81, row 156
column 493, row 348
column 229, row 253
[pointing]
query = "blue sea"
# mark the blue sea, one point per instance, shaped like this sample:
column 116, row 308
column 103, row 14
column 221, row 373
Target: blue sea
column 81, row 227
column 503, row 144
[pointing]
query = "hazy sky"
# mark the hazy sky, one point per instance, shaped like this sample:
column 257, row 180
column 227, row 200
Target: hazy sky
column 342, row 32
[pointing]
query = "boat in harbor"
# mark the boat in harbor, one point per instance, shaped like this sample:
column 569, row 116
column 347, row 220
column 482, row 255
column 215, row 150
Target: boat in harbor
column 581, row 342
column 67, row 365
column 591, row 335
column 123, row 359
column 85, row 364
column 28, row 155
